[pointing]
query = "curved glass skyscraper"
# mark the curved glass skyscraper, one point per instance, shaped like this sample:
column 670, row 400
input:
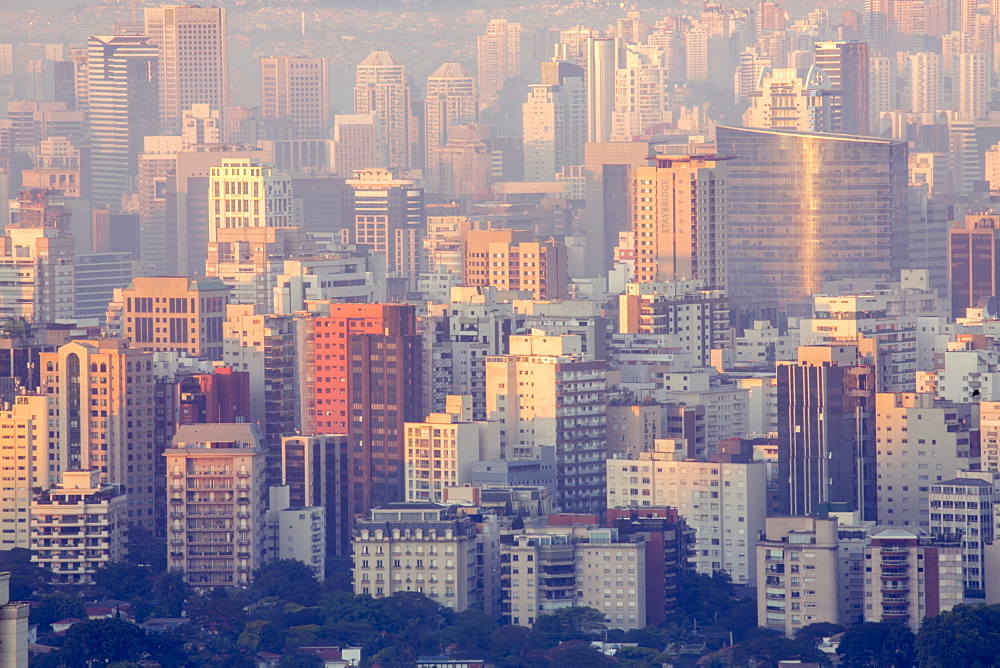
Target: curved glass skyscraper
column 806, row 208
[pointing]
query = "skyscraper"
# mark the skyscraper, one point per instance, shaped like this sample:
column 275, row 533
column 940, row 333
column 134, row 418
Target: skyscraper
column 973, row 80
column 826, row 431
column 602, row 61
column 973, row 261
column 295, row 88
column 451, row 100
column 680, row 221
column 806, row 208
column 382, row 90
column 123, row 84
column 880, row 26
column 366, row 361
column 193, row 58
column 499, row 57
column 846, row 66
column 793, row 99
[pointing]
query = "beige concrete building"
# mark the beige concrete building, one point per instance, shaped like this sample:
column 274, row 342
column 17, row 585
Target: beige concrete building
column 29, row 458
column 797, row 573
column 382, row 90
column 13, row 628
column 105, row 392
column 550, row 568
column 724, row 502
column 546, row 392
column 78, row 527
column 512, row 260
column 421, row 547
column 919, row 442
column 295, row 87
column 793, row 99
column 186, row 315
column 989, row 435
column 680, row 220
column 245, row 193
column 440, row 451
column 356, row 140
column 726, row 403
column 216, row 504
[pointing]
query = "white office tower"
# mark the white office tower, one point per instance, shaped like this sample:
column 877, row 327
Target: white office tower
column 452, row 100
column 973, row 86
column 244, row 193
column 499, row 57
column 793, row 99
column 925, row 82
column 193, row 53
column 555, row 121
column 602, row 57
column 381, row 89
column 641, row 86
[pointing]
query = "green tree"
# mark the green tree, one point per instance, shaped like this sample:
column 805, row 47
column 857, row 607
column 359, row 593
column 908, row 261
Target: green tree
column 638, row 657
column 574, row 622
column 167, row 649
column 815, row 633
column 170, row 592
column 145, row 549
column 125, row 581
column 574, row 655
column 55, row 607
column 769, row 651
column 966, row 635
column 288, row 580
column 468, row 632
column 300, row 660
column 513, row 642
column 99, row 642
column 26, row 578
column 877, row 644
column 219, row 611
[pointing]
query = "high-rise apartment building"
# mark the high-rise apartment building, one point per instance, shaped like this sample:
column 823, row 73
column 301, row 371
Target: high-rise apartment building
column 440, row 450
column 974, row 531
column 973, row 89
column 973, row 261
column 296, row 88
column 797, row 573
column 806, row 208
column 106, row 393
column 245, row 193
column 498, row 57
column 546, row 392
column 316, row 470
column 356, row 144
column 123, row 89
column 555, row 121
column 451, row 100
column 880, row 26
column 30, row 459
column 680, row 220
column 925, row 82
column 846, row 65
column 826, row 431
column 512, row 260
column 77, row 527
column 793, row 99
column 193, row 56
column 724, row 501
column 37, row 274
column 389, row 218
column 911, row 578
column 363, row 376
column 919, row 441
column 175, row 313
column 640, row 92
column 381, row 89
column 217, row 504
